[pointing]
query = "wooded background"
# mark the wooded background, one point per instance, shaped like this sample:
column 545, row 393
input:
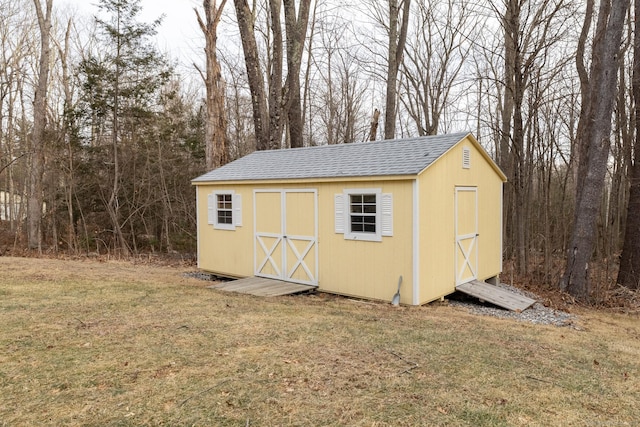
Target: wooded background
column 100, row 134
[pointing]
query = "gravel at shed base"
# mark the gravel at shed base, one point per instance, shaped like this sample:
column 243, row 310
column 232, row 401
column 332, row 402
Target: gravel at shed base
column 537, row 313
column 201, row 276
column 208, row 277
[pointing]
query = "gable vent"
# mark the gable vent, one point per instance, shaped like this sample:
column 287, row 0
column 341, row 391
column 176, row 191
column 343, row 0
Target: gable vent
column 466, row 158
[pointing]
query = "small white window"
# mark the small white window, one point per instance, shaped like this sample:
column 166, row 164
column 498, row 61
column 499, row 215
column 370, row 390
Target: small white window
column 364, row 214
column 225, row 210
column 466, row 158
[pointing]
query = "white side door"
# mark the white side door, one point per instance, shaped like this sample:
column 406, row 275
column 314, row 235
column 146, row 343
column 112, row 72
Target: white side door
column 466, row 234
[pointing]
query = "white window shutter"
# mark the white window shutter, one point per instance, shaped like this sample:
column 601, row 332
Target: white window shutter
column 211, row 208
column 237, row 210
column 387, row 214
column 339, row 213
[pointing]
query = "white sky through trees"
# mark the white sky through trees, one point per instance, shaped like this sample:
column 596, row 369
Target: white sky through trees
column 178, row 35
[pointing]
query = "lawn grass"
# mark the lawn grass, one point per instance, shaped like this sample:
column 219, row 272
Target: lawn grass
column 91, row 343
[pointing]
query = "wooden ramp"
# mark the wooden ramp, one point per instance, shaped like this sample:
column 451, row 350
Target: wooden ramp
column 496, row 295
column 262, row 287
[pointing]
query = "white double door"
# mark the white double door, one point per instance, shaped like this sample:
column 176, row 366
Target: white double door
column 286, row 235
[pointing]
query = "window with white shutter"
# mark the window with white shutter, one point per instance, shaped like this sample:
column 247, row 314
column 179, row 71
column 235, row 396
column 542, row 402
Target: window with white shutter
column 225, row 210
column 364, row 214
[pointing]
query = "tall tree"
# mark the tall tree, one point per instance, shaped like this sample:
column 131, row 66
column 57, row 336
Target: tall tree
column 398, row 27
column 629, row 273
column 583, row 74
column 68, row 137
column 338, row 100
column 296, row 30
column 596, row 142
column 39, row 124
column 119, row 85
column 16, row 58
column 216, row 125
column 529, row 32
column 246, row 25
column 241, row 129
column 284, row 100
column 436, row 51
column 275, row 85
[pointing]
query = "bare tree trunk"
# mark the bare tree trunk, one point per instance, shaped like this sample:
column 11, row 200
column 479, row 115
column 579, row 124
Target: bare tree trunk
column 276, row 101
column 397, row 39
column 215, row 130
column 527, row 39
column 433, row 59
column 629, row 273
column 283, row 109
column 113, row 204
column 296, row 29
column 63, row 51
column 578, row 147
column 254, row 73
column 331, row 106
column 39, row 124
column 516, row 155
column 11, row 185
column 615, row 207
column 373, row 129
column 307, row 75
column 597, row 133
column 510, row 24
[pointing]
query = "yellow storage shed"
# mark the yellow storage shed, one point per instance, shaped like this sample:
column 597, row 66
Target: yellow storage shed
column 352, row 218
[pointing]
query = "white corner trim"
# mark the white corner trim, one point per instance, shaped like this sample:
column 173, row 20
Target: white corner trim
column 416, row 242
column 198, row 228
column 501, row 226
column 255, row 243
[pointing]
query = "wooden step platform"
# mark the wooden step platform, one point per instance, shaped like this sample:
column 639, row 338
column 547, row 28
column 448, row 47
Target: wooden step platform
column 263, row 287
column 496, row 295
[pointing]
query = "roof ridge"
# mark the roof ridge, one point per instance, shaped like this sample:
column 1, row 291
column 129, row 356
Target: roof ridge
column 356, row 143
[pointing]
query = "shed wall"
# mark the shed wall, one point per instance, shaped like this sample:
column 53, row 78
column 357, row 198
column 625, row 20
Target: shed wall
column 363, row 269
column 437, row 187
column 226, row 252
column 368, row 269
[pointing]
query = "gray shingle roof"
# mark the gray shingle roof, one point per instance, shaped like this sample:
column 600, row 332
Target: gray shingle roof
column 407, row 156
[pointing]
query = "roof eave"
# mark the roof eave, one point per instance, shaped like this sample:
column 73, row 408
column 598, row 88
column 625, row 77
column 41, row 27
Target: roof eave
column 404, row 177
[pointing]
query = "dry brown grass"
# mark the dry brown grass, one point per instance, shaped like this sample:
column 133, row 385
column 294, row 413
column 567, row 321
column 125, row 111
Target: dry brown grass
column 90, row 343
